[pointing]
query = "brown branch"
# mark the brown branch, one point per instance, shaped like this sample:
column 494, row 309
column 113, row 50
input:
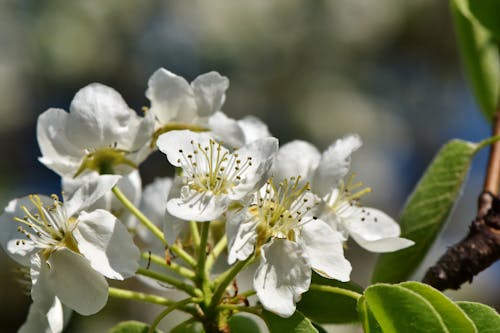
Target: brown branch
column 481, row 247
column 476, row 252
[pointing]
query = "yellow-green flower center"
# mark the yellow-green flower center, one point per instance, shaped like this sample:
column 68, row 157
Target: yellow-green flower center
column 105, row 160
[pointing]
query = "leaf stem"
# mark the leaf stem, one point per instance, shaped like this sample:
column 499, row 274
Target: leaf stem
column 223, row 280
column 137, row 296
column 492, row 179
column 216, row 251
column 195, row 234
column 183, row 271
column 336, row 290
column 172, row 281
column 256, row 310
column 202, row 272
column 140, row 216
column 171, row 308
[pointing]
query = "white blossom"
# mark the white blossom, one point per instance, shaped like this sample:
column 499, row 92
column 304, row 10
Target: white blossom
column 372, row 229
column 213, row 176
column 100, row 134
column 280, row 227
column 69, row 251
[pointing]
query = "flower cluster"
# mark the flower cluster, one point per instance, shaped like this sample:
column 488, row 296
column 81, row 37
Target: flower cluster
column 283, row 211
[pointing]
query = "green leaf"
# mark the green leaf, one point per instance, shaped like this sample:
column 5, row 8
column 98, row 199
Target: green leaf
column 454, row 318
column 243, row 324
column 479, row 51
column 487, row 13
column 325, row 307
column 398, row 309
column 295, row 324
column 188, row 327
column 368, row 322
column 485, row 318
column 427, row 209
column 131, row 327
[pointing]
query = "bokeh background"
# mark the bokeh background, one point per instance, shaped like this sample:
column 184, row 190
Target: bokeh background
column 312, row 70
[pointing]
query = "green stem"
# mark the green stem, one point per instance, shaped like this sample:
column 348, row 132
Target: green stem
column 250, row 309
column 202, row 257
column 225, row 279
column 336, row 290
column 170, row 280
column 137, row 296
column 195, row 234
column 183, row 271
column 217, row 250
column 171, row 308
column 183, row 255
column 140, row 216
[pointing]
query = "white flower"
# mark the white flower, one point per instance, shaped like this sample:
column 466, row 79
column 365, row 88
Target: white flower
column 370, row 228
column 100, row 133
column 279, row 226
column 68, row 250
column 213, row 176
column 130, row 185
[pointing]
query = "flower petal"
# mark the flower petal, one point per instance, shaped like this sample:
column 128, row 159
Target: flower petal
column 75, row 283
column 198, row 206
column 324, row 248
column 14, row 243
column 177, row 145
column 58, row 152
column 376, row 231
column 335, row 163
column 283, row 275
column 171, row 96
column 89, row 189
column 98, row 117
column 296, row 158
column 261, row 153
column 241, row 236
column 51, row 320
column 253, row 128
column 209, row 92
column 106, row 244
column 226, row 130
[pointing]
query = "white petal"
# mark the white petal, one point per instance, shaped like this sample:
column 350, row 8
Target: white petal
column 59, row 153
column 376, row 231
column 335, row 163
column 51, row 320
column 262, row 153
column 283, row 275
column 41, row 291
column 98, row 117
column 241, row 236
column 106, row 244
column 178, row 144
column 172, row 226
column 209, row 92
column 90, row 189
column 9, row 236
column 75, row 283
column 154, row 204
column 196, row 206
column 296, row 158
column 226, row 130
column 253, row 128
column 324, row 248
column 172, row 98
column 137, row 140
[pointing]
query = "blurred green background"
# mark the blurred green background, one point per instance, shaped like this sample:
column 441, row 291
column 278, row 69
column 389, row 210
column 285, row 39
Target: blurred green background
column 312, row 70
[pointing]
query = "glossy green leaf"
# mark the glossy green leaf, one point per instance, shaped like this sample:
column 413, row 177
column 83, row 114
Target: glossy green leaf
column 325, row 307
column 427, row 209
column 295, row 324
column 478, row 50
column 244, row 324
column 131, row 327
column 486, row 319
column 454, row 318
column 398, row 309
column 368, row 322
